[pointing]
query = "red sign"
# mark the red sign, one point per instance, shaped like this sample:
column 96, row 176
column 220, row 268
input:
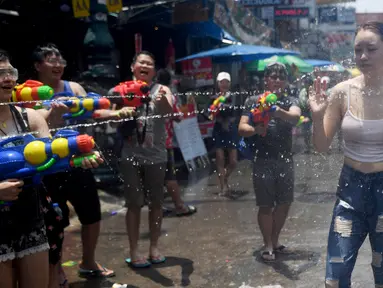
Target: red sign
column 294, row 12
column 138, row 42
column 201, row 69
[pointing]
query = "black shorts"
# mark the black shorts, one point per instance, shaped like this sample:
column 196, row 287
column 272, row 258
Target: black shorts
column 170, row 174
column 79, row 188
column 273, row 181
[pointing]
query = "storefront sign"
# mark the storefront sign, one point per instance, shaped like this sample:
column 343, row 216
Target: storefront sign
column 259, row 3
column 346, row 15
column 328, row 14
column 287, row 13
column 114, row 6
column 80, row 8
column 201, row 69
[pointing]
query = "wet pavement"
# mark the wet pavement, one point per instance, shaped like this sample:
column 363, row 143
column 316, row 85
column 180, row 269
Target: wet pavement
column 218, row 246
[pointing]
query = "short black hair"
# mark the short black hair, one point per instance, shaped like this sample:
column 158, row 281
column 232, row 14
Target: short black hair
column 275, row 67
column 4, row 56
column 43, row 51
column 147, row 53
column 164, row 77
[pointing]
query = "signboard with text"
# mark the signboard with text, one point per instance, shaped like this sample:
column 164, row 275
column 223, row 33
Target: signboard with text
column 334, row 14
column 328, row 14
column 293, row 12
column 81, row 7
column 346, row 15
column 201, row 69
column 259, row 3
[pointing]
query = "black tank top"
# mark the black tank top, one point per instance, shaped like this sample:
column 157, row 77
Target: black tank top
column 27, row 209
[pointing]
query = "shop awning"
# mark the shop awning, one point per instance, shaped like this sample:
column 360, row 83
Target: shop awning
column 243, row 53
column 206, row 29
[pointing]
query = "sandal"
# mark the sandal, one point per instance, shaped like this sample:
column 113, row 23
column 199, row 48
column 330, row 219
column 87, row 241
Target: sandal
column 268, row 256
column 86, row 273
column 139, row 263
column 190, row 210
column 282, row 250
column 157, row 260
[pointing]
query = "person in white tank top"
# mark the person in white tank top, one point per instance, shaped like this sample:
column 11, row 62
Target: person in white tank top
column 355, row 106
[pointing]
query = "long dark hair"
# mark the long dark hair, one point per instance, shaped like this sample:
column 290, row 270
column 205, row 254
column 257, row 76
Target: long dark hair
column 373, row 26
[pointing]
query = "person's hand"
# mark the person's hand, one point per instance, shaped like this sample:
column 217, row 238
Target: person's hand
column 10, row 189
column 260, row 129
column 57, row 110
column 92, row 163
column 126, row 112
column 161, row 96
column 318, row 99
column 306, row 120
column 58, row 106
column 275, row 111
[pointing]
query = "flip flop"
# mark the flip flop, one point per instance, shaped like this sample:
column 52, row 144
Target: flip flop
column 282, row 250
column 86, row 273
column 136, row 264
column 157, row 260
column 190, row 211
column 266, row 254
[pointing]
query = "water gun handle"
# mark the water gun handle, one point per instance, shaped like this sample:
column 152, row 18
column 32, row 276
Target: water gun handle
column 76, row 162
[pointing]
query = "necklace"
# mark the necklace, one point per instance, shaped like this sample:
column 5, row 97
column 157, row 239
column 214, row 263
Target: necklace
column 4, row 124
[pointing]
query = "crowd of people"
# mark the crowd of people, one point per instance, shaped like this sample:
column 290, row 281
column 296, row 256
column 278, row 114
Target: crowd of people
column 33, row 224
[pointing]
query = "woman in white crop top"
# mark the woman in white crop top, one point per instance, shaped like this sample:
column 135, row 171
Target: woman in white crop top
column 355, row 106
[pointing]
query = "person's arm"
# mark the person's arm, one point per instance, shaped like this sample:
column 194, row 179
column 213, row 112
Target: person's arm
column 164, row 100
column 37, row 123
column 325, row 126
column 77, row 89
column 292, row 115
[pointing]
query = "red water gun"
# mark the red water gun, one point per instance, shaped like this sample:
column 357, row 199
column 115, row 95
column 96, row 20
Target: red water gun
column 134, row 93
column 261, row 112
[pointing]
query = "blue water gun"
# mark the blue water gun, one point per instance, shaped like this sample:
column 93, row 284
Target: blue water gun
column 81, row 107
column 36, row 157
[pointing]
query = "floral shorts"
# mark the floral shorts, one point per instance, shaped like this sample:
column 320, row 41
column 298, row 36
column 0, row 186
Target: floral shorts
column 22, row 235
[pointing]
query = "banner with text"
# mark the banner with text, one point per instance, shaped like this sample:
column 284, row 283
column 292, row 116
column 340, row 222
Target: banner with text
column 189, row 138
column 201, row 69
column 81, row 7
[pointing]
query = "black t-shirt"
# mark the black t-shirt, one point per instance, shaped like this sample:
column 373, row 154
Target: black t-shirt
column 278, row 140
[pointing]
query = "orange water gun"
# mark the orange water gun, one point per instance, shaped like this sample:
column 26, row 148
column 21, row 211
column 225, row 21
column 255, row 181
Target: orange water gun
column 31, row 90
column 261, row 112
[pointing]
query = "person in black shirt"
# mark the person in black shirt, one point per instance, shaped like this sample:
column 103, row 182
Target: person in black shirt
column 273, row 168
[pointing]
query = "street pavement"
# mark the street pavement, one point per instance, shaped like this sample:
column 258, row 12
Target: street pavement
column 219, row 245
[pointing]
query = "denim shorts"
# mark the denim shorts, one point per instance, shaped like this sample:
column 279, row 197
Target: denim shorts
column 358, row 212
